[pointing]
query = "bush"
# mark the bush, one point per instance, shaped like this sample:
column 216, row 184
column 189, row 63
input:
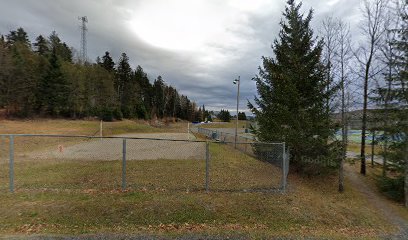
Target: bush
column 319, row 159
column 127, row 112
column 141, row 112
column 106, row 114
column 393, row 188
column 117, row 114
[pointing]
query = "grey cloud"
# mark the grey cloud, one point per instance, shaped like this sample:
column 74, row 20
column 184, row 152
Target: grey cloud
column 209, row 84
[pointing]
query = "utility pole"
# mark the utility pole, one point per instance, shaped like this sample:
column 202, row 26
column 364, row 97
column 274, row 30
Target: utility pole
column 236, row 126
column 84, row 29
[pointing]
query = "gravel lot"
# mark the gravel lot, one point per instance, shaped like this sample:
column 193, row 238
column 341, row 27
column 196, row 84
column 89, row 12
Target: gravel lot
column 136, row 149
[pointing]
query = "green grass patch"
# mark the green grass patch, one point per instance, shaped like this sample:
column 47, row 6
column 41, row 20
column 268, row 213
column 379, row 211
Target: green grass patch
column 167, row 198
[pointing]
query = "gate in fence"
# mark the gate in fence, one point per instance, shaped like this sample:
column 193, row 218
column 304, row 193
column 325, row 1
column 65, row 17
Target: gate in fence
column 88, row 163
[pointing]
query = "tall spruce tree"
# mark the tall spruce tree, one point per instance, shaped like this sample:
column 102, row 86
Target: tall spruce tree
column 41, row 46
column 54, row 88
column 5, row 71
column 61, row 48
column 107, row 62
column 292, row 89
column 145, row 92
column 159, row 97
column 125, row 85
column 20, row 36
column 399, row 127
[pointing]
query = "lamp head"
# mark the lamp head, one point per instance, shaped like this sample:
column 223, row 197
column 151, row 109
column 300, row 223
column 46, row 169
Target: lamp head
column 235, row 81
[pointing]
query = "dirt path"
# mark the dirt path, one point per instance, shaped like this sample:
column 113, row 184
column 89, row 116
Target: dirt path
column 136, row 149
column 378, row 202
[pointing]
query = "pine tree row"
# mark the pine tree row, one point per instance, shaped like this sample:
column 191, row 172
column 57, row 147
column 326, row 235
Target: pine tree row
column 42, row 79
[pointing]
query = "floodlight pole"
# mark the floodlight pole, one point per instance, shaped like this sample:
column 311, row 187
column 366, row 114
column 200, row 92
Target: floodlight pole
column 236, row 126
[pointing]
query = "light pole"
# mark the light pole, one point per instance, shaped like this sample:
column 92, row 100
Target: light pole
column 236, row 126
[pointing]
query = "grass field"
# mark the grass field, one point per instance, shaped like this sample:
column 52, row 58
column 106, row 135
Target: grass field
column 75, row 127
column 373, row 173
column 167, row 198
column 356, row 148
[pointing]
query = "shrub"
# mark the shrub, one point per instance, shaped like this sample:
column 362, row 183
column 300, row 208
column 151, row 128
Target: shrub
column 393, row 188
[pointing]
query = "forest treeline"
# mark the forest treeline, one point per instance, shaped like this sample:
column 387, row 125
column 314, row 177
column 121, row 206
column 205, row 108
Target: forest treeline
column 43, row 79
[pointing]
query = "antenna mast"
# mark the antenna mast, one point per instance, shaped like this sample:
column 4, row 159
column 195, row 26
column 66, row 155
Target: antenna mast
column 84, row 29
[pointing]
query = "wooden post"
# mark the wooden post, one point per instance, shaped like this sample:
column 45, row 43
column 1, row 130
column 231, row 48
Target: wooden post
column 100, row 129
column 188, row 131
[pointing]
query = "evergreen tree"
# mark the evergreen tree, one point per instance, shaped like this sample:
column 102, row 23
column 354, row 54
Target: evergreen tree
column 402, row 95
column 77, row 79
column 292, row 103
column 104, row 98
column 224, row 115
column 19, row 74
column 54, row 88
column 44, row 80
column 177, row 107
column 61, row 48
column 171, row 102
column 107, row 62
column 20, row 36
column 199, row 115
column 125, row 86
column 145, row 93
column 242, row 116
column 42, row 46
column 393, row 100
column 159, row 97
column 5, row 72
column 205, row 113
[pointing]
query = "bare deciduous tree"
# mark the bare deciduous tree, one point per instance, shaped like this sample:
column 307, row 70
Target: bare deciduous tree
column 330, row 33
column 373, row 30
column 337, row 54
column 344, row 54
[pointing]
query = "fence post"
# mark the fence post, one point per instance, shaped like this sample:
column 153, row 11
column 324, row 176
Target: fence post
column 207, row 166
column 124, row 165
column 283, row 168
column 11, row 167
column 101, row 129
column 188, row 131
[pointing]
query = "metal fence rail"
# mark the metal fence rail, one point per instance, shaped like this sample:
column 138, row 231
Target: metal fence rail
column 274, row 153
column 89, row 163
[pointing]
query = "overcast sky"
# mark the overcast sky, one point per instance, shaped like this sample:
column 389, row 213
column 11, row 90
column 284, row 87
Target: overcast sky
column 198, row 46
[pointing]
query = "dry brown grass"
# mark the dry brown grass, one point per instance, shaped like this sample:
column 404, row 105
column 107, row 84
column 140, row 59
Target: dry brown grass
column 353, row 147
column 373, row 172
column 167, row 198
column 74, row 127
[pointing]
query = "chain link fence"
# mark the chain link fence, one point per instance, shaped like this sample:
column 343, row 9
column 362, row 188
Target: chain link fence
column 88, row 163
column 273, row 157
